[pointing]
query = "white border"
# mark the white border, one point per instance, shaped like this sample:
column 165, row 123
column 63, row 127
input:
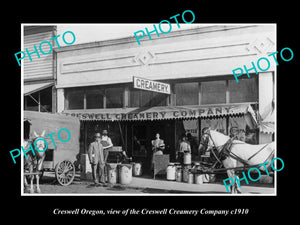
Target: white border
column 131, row 194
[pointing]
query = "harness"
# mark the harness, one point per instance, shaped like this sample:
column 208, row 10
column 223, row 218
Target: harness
column 32, row 160
column 224, row 151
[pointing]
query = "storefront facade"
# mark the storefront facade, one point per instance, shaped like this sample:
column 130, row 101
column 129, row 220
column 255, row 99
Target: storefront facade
column 95, row 84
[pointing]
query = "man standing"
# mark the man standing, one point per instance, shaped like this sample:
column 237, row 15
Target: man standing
column 184, row 147
column 158, row 146
column 107, row 145
column 106, row 141
column 97, row 160
column 193, row 145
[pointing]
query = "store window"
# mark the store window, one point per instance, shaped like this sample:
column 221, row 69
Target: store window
column 213, row 92
column 30, row 103
column 244, row 91
column 134, row 98
column 75, row 99
column 46, row 100
column 94, row 99
column 156, row 99
column 145, row 99
column 140, row 98
column 187, row 93
column 39, row 101
column 114, row 97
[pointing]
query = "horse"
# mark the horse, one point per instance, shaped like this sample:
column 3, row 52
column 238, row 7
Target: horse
column 34, row 160
column 234, row 153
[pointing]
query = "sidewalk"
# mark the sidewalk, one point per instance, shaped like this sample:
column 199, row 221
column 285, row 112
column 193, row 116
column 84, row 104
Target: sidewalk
column 162, row 186
column 169, row 187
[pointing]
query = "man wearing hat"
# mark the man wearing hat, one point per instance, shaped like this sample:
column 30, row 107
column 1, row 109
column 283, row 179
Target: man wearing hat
column 97, row 159
column 106, row 142
column 107, row 145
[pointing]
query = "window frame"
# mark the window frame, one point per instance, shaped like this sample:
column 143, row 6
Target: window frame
column 200, row 81
column 105, row 96
column 94, row 89
column 198, row 95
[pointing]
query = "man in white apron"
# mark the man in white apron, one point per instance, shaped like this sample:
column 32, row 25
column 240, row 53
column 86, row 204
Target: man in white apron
column 158, row 146
column 107, row 145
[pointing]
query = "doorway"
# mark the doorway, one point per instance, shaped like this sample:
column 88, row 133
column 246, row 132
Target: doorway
column 142, row 132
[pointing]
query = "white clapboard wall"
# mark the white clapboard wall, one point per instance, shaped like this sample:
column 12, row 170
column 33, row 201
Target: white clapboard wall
column 39, row 67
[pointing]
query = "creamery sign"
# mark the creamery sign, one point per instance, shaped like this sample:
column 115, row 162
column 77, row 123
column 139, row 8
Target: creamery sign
column 159, row 113
column 150, row 85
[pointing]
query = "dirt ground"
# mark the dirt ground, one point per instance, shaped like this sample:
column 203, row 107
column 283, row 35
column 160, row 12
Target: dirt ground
column 49, row 185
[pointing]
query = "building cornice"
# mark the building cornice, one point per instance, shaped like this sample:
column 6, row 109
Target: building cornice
column 131, row 39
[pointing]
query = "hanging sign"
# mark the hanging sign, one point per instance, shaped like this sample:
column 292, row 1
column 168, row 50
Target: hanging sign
column 150, row 85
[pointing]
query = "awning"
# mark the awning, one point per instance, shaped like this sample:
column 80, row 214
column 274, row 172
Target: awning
column 31, row 88
column 267, row 123
column 162, row 112
column 267, row 128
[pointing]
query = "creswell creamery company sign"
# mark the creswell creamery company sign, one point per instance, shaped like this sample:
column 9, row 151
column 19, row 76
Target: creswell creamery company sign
column 150, row 85
column 160, row 113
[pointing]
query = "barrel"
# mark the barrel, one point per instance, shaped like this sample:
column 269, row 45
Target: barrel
column 112, row 174
column 185, row 173
column 187, row 158
column 171, row 171
column 125, row 173
column 136, row 169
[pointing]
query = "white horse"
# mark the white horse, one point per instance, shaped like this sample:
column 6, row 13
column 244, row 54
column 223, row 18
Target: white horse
column 33, row 162
column 238, row 154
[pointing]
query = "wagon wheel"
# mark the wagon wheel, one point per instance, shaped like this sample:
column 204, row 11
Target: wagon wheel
column 65, row 172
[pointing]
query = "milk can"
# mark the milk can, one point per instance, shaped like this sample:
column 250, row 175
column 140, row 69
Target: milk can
column 190, row 177
column 198, row 178
column 178, row 174
column 125, row 173
column 187, row 158
column 112, row 173
column 136, row 169
column 185, row 173
column 171, row 170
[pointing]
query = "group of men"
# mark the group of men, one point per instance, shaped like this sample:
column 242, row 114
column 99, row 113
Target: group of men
column 98, row 153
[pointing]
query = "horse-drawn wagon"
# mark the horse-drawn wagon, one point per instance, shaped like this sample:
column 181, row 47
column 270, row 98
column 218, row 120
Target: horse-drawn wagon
column 230, row 156
column 59, row 156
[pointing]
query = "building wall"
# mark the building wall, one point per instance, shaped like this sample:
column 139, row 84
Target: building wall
column 39, row 68
column 201, row 52
column 208, row 52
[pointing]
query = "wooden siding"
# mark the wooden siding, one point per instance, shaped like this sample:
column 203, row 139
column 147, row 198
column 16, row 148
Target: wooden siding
column 42, row 67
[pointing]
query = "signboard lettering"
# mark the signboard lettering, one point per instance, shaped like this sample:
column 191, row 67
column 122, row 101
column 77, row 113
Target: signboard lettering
column 159, row 114
column 150, row 85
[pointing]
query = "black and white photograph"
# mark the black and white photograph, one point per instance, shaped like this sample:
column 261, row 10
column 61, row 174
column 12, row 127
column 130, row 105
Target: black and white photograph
column 129, row 113
column 172, row 108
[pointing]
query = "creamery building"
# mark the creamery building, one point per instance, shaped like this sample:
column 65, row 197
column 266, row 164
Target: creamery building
column 174, row 85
